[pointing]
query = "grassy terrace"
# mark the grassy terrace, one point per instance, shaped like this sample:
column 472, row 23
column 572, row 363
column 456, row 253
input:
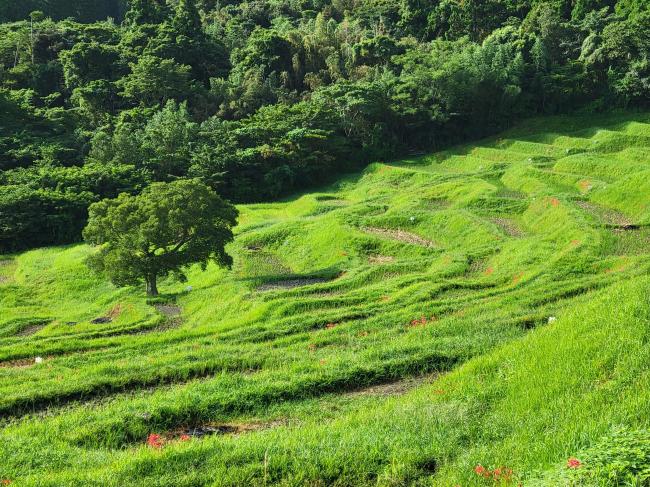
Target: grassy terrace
column 484, row 305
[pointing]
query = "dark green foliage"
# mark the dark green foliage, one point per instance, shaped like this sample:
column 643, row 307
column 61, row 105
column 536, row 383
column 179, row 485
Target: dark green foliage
column 87, row 62
column 146, row 12
column 621, row 458
column 261, row 98
column 279, row 148
column 30, row 134
column 81, row 10
column 153, row 81
column 160, row 231
column 44, row 205
column 38, row 217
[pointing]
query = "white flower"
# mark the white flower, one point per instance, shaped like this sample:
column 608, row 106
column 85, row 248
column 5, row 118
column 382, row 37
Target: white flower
column 551, row 319
column 189, row 288
column 38, row 360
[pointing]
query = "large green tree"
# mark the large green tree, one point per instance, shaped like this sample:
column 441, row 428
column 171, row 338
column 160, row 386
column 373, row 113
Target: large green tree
column 154, row 81
column 160, row 231
column 146, row 12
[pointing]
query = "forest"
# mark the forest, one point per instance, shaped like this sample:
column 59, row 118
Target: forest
column 259, row 99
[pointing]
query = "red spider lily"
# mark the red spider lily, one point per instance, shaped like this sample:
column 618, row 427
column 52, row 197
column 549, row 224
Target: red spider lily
column 185, row 438
column 5, row 482
column 155, row 441
column 502, row 473
column 419, row 322
column 573, row 463
column 422, row 321
column 482, row 471
column 499, row 474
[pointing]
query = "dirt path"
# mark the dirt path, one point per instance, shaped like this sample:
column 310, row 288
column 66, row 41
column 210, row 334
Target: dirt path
column 210, row 429
column 395, row 388
column 609, row 217
column 380, row 259
column 169, row 310
column 291, row 283
column 5, row 263
column 173, row 319
column 31, row 330
column 508, row 226
column 400, row 235
column 19, row 363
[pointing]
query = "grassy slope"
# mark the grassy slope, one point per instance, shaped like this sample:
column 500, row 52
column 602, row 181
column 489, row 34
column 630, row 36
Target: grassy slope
column 486, row 242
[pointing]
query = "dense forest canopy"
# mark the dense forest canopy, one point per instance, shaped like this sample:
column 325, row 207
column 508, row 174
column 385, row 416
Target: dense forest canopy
column 80, row 10
column 259, row 98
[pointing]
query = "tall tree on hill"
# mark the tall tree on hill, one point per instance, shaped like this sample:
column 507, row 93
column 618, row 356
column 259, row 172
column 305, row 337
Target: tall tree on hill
column 186, row 20
column 162, row 230
column 146, row 12
column 183, row 39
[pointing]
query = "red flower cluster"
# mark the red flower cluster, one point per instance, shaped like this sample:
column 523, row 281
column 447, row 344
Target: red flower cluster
column 155, row 441
column 185, row 438
column 573, row 463
column 421, row 321
column 499, row 474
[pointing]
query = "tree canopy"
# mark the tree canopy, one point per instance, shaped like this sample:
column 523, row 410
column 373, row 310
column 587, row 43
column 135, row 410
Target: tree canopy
column 165, row 228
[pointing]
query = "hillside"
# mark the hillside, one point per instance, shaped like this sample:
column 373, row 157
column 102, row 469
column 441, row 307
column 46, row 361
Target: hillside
column 487, row 305
column 263, row 99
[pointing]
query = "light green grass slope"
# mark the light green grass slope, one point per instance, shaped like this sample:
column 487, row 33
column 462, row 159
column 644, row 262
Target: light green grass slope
column 437, row 274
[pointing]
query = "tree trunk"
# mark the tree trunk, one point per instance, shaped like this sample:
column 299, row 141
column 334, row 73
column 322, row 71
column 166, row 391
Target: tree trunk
column 152, row 288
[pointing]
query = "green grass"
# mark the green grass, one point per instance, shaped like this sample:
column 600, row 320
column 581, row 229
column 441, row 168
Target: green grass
column 313, row 350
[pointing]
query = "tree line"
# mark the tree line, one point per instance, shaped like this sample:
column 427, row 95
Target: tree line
column 81, row 10
column 255, row 99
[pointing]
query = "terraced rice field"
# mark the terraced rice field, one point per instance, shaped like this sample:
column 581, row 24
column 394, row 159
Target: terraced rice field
column 484, row 305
